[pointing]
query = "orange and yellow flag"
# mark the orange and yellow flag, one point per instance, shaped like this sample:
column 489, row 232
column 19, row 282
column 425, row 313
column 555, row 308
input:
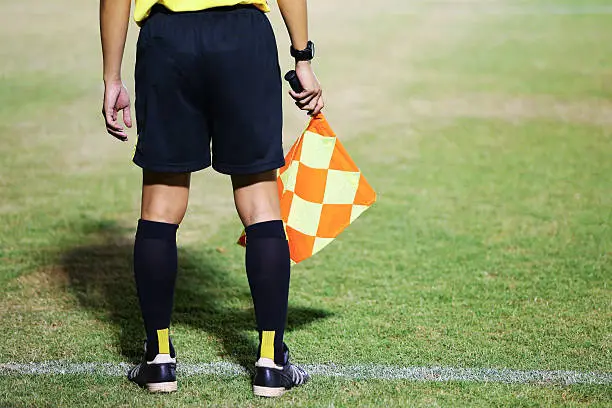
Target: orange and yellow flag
column 321, row 191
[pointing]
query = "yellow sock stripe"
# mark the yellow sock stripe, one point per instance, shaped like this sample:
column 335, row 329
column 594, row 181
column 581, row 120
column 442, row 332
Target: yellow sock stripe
column 267, row 344
column 163, row 341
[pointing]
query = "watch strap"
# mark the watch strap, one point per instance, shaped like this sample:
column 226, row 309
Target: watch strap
column 306, row 54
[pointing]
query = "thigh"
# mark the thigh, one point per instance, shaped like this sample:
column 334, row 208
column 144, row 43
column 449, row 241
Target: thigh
column 164, row 196
column 246, row 83
column 256, row 197
column 172, row 123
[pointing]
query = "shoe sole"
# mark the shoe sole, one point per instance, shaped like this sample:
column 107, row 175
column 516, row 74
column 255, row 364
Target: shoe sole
column 162, row 387
column 269, row 392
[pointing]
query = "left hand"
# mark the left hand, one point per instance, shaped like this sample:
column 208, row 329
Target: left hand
column 116, row 98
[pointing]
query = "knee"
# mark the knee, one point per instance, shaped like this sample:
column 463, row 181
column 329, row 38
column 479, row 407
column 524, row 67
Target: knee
column 258, row 208
column 164, row 197
column 258, row 215
column 162, row 213
column 164, row 207
column 256, row 198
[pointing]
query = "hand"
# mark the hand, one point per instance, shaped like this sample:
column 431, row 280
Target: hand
column 310, row 99
column 116, row 98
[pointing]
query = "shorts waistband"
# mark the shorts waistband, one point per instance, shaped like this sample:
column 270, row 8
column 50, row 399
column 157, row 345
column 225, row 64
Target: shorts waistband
column 158, row 8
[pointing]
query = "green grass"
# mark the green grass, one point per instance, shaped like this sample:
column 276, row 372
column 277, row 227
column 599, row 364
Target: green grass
column 489, row 246
column 212, row 391
column 558, row 55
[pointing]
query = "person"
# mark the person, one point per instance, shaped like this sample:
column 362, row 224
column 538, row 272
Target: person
column 207, row 72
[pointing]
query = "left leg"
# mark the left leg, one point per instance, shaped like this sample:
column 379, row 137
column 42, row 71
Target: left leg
column 164, row 202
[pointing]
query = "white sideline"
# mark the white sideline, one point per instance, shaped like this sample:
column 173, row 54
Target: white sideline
column 423, row 374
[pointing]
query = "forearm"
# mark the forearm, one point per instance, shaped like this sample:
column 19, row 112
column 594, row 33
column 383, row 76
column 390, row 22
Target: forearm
column 295, row 14
column 114, row 20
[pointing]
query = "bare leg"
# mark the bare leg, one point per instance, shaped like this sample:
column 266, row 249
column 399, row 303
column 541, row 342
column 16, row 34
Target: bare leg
column 164, row 196
column 256, row 197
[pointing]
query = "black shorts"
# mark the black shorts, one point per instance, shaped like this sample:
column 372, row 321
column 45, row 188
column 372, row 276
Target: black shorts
column 205, row 77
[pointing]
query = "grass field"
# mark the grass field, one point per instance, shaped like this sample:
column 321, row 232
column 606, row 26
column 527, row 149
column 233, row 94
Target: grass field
column 486, row 129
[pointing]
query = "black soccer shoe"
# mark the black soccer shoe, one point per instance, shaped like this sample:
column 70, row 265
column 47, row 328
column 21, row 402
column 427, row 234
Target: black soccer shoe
column 158, row 375
column 272, row 380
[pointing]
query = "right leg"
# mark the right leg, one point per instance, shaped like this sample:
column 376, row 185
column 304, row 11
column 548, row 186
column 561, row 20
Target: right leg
column 246, row 133
column 268, row 272
column 164, row 202
column 267, row 257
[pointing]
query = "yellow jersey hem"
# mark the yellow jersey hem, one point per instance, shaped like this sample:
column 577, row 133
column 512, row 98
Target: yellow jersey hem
column 143, row 8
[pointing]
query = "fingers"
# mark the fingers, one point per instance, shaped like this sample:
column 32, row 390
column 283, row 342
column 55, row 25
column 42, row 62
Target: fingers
column 127, row 116
column 302, row 103
column 118, row 134
column 301, row 95
column 318, row 107
column 313, row 105
column 308, row 100
column 110, row 116
column 310, row 106
column 116, row 98
column 112, row 125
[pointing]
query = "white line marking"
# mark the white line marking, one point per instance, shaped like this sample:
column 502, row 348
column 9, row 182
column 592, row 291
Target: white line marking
column 425, row 374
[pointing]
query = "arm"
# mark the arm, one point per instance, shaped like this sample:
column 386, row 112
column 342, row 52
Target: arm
column 114, row 20
column 295, row 15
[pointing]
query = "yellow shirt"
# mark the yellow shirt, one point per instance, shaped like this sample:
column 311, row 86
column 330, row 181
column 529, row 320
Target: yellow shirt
column 143, row 7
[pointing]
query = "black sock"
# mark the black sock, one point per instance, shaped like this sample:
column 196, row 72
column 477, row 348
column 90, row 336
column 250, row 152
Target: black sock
column 268, row 271
column 155, row 266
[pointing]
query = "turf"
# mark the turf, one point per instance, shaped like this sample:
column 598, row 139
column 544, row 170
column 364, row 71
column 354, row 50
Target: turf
column 489, row 246
column 212, row 391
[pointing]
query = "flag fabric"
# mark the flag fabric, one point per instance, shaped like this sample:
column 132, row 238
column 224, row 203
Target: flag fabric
column 321, row 191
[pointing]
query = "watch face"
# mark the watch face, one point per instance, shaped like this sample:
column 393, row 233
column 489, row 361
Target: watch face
column 306, row 54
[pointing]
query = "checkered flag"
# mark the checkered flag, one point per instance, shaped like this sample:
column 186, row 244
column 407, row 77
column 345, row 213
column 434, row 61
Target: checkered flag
column 321, row 191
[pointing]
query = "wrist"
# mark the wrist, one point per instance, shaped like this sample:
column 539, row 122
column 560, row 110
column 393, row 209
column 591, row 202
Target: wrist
column 302, row 64
column 299, row 45
column 110, row 78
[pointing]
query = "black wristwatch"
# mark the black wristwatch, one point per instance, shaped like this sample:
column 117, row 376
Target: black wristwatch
column 306, row 54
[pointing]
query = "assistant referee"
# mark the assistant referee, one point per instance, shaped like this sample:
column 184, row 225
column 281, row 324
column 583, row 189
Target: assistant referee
column 207, row 73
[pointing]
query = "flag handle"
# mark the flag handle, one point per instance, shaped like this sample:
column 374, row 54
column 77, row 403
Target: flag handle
column 294, row 81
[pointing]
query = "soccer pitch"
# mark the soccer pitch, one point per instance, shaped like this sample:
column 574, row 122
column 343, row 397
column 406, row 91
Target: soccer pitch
column 480, row 278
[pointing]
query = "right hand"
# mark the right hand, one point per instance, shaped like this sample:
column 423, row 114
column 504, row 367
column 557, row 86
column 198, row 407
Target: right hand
column 116, row 98
column 311, row 98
